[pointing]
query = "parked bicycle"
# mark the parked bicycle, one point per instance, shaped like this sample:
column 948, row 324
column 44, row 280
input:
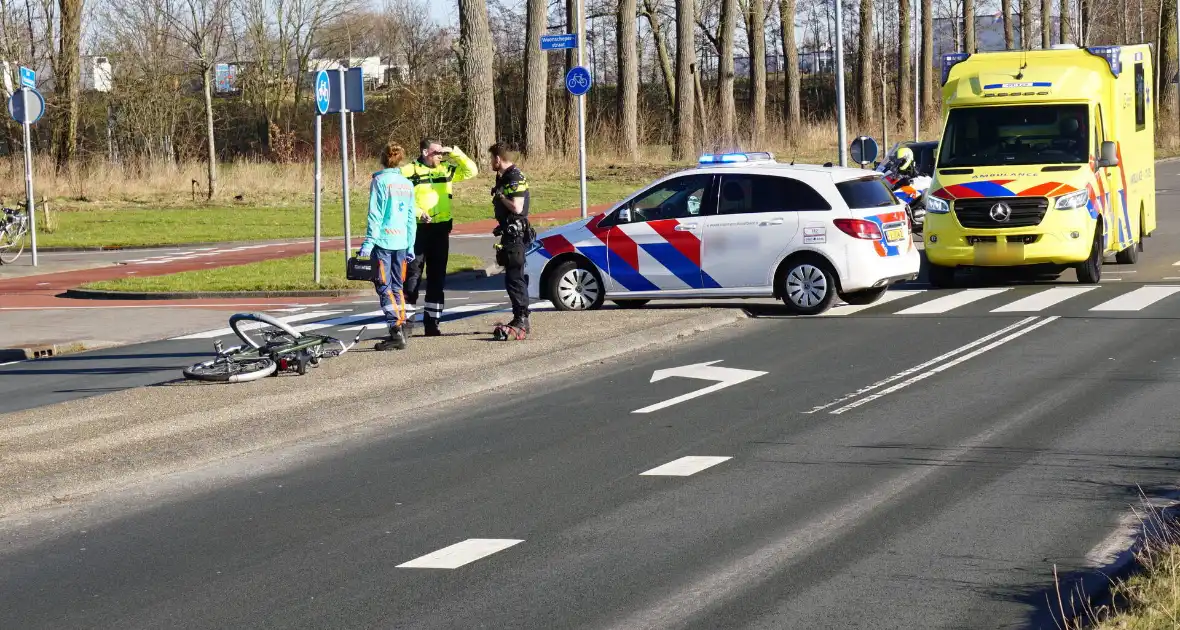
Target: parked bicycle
column 14, row 234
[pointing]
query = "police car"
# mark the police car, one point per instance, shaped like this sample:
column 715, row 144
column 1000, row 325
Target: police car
column 739, row 225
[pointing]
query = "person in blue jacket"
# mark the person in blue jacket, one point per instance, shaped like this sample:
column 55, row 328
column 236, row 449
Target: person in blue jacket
column 389, row 241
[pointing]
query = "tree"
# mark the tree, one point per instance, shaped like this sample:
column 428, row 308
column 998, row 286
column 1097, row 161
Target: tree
column 794, row 123
column 573, row 25
column 1006, row 9
column 969, row 26
column 1046, row 24
column 628, row 96
column 661, row 43
column 1166, row 89
column 725, row 105
column 1066, row 37
column 536, row 79
column 927, row 56
column 864, row 65
column 67, row 70
column 757, row 36
column 475, row 67
column 905, row 78
column 200, row 25
column 683, row 144
column 1026, row 25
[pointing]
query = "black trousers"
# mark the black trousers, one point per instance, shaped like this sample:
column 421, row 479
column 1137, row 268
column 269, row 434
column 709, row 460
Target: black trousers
column 511, row 257
column 431, row 250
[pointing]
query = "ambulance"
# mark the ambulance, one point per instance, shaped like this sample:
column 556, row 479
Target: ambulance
column 1047, row 159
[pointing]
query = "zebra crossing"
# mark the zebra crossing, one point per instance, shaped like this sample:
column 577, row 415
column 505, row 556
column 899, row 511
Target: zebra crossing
column 1070, row 301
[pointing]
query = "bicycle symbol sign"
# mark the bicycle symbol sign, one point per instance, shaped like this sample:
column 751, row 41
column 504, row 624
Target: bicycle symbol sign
column 578, row 80
column 323, row 92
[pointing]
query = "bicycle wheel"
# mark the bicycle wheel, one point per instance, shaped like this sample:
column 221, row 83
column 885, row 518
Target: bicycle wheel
column 12, row 244
column 236, row 320
column 222, row 370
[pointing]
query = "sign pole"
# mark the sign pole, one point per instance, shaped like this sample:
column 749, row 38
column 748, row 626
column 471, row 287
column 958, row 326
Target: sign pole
column 842, row 133
column 917, row 40
column 581, row 31
column 344, row 163
column 319, row 127
column 28, row 124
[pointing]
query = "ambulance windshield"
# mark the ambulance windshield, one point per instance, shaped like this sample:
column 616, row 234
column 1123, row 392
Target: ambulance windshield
column 1016, row 134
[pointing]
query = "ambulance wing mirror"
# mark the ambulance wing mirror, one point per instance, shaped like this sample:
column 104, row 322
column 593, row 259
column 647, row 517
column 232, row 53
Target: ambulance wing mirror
column 1109, row 155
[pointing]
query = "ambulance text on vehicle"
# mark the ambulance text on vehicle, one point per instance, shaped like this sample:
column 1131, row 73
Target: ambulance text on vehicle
column 1047, row 157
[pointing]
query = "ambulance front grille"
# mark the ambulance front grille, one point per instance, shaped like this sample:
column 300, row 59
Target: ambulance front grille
column 1023, row 212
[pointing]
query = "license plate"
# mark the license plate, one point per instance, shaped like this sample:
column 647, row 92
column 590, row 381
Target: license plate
column 894, row 235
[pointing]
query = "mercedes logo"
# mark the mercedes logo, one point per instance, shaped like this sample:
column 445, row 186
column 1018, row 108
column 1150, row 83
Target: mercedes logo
column 1000, row 213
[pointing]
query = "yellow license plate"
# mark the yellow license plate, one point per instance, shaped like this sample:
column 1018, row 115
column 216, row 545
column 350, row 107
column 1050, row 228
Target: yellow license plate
column 895, row 234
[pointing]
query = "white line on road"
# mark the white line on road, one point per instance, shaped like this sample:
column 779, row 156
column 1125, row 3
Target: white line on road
column 460, row 553
column 1110, row 279
column 940, row 368
column 1138, row 299
column 220, row 332
column 686, row 466
column 848, row 309
column 75, row 308
column 918, row 368
column 1042, row 300
column 952, row 301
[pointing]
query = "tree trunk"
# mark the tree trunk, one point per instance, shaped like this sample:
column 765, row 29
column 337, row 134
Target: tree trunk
column 1084, row 8
column 758, row 71
column 905, row 78
column 725, row 104
column 1026, row 26
column 571, row 102
column 1167, row 121
column 66, row 85
column 536, row 80
column 1006, row 9
column 207, row 85
column 794, row 114
column 927, row 56
column 1046, row 24
column 864, row 66
column 628, row 96
column 475, row 40
column 1066, row 36
column 969, row 26
column 683, row 145
column 653, row 20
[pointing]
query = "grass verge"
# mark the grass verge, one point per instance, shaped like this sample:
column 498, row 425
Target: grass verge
column 280, row 274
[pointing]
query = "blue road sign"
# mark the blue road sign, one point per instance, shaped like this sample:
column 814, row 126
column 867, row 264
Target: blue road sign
column 354, row 90
column 578, row 80
column 559, row 42
column 323, row 92
column 35, row 106
column 28, row 78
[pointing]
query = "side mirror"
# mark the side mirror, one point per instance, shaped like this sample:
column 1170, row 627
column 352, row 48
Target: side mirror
column 1109, row 155
column 624, row 214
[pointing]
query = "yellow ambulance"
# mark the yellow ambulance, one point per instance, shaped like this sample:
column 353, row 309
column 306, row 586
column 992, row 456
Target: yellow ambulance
column 1047, row 157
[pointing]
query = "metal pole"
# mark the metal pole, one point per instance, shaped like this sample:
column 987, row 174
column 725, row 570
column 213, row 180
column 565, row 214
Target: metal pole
column 319, row 127
column 344, row 164
column 352, row 132
column 917, row 43
column 29, row 173
column 582, row 112
column 842, row 135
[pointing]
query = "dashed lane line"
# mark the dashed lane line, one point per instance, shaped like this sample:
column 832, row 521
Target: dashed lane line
column 460, row 553
column 685, row 466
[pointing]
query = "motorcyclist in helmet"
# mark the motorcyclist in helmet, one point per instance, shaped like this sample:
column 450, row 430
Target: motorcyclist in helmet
column 906, row 167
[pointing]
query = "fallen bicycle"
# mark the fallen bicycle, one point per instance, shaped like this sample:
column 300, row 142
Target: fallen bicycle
column 269, row 352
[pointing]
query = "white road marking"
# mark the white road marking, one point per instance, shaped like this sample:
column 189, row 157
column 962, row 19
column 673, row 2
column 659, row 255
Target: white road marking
column 1171, row 277
column 1110, row 279
column 75, row 308
column 952, row 301
column 722, row 376
column 848, row 309
column 410, row 310
column 1138, row 299
column 686, row 466
column 1176, row 264
column 1042, row 300
column 918, row 368
column 9, row 363
column 940, row 368
column 460, row 553
column 220, row 332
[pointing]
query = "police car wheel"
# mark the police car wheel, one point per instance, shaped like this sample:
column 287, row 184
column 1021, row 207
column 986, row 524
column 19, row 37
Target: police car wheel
column 808, row 287
column 573, row 287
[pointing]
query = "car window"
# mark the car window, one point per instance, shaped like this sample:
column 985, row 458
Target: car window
column 867, row 192
column 747, row 194
column 679, row 198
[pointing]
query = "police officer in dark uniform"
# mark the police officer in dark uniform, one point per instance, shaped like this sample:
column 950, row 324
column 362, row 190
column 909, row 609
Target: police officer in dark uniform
column 510, row 200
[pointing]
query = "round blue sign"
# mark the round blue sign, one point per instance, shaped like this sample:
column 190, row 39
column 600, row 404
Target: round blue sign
column 33, row 111
column 323, row 92
column 578, row 80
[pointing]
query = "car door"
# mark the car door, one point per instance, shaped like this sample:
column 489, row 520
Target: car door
column 758, row 219
column 658, row 246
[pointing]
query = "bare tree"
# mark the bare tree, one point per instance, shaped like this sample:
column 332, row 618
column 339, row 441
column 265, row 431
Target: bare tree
column 1006, row 9
column 1166, row 90
column 627, row 104
column 1046, row 24
column 475, row 66
column 927, row 56
column 1026, row 24
column 66, row 73
column 786, row 10
column 683, row 144
column 200, row 25
column 905, row 81
column 969, row 26
column 650, row 11
column 1066, row 36
column 536, row 78
column 864, row 65
column 757, row 37
column 725, row 104
column 571, row 60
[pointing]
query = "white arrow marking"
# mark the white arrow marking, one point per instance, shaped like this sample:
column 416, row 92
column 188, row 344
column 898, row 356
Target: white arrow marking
column 724, row 376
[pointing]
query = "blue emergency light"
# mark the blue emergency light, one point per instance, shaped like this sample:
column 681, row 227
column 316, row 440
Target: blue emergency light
column 1112, row 55
column 732, row 158
column 950, row 61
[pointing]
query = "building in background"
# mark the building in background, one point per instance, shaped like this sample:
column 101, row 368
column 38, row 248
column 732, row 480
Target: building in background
column 96, row 74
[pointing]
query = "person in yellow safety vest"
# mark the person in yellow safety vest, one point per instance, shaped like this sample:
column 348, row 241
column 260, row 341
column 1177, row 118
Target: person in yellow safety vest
column 432, row 176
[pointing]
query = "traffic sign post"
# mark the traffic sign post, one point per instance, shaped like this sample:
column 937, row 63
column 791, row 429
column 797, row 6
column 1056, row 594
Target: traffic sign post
column 578, row 81
column 864, row 150
column 26, row 107
column 336, row 92
column 323, row 97
column 344, row 162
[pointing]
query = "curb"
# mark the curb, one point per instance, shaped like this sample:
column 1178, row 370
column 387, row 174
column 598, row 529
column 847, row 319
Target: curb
column 46, row 350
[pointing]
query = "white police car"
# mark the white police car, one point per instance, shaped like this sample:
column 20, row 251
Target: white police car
column 739, row 225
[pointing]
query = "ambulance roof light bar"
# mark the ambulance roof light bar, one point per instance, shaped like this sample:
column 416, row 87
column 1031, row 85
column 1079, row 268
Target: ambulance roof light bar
column 736, row 158
column 1112, row 55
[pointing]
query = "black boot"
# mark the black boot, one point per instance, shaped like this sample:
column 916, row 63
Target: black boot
column 520, row 319
column 431, row 327
column 396, row 341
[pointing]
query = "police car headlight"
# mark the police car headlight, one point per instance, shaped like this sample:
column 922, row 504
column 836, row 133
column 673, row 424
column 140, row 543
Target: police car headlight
column 934, row 205
column 1073, row 200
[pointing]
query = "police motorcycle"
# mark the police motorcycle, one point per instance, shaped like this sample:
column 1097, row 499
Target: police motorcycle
column 909, row 186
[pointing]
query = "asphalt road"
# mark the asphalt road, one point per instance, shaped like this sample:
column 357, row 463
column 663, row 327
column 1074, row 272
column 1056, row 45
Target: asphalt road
column 929, row 462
